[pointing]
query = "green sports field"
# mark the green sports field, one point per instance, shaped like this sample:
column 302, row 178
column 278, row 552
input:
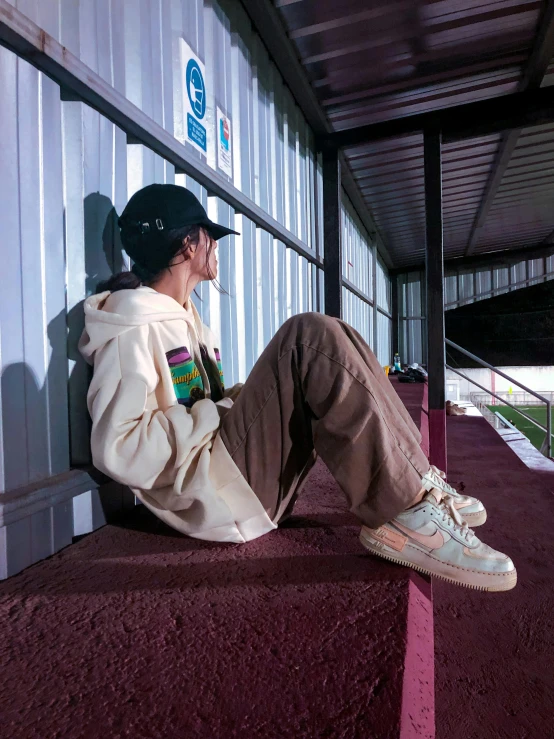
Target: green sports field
column 538, row 412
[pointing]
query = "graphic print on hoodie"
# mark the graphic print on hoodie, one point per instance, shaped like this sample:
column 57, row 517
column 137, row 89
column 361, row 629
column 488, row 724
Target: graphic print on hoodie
column 186, row 378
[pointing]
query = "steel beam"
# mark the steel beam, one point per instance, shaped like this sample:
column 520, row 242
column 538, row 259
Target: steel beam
column 79, row 82
column 501, row 258
column 536, row 68
column 434, row 273
column 481, row 118
column 332, row 233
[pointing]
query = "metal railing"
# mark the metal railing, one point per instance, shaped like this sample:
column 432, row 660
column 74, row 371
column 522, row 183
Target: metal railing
column 546, row 448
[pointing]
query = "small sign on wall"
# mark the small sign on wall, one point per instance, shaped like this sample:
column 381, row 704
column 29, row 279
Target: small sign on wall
column 194, row 98
column 224, row 153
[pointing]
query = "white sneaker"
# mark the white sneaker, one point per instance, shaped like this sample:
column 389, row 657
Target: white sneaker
column 432, row 538
column 471, row 509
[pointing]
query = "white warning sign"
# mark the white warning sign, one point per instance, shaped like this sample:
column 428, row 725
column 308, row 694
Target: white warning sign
column 224, row 152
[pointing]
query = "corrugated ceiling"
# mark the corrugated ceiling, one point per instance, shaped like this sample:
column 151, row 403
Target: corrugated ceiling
column 370, row 62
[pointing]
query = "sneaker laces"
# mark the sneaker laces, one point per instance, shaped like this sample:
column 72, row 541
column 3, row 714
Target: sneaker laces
column 435, row 477
column 450, row 514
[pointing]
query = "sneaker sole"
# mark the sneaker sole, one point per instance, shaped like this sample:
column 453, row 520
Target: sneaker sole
column 422, row 562
column 474, row 519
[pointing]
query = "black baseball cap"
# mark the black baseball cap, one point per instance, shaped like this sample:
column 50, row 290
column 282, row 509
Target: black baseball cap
column 158, row 208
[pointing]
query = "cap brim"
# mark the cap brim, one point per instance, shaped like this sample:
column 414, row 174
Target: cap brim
column 218, row 232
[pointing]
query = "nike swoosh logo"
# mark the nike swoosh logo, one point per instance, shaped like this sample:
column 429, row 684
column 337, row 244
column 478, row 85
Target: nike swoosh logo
column 435, row 541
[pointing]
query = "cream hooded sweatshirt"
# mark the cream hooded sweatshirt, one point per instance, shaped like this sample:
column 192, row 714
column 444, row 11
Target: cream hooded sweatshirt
column 154, row 423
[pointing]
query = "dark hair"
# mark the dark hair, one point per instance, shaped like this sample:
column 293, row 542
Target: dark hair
column 140, row 274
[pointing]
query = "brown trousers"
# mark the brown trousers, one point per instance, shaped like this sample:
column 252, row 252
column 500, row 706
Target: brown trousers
column 318, row 389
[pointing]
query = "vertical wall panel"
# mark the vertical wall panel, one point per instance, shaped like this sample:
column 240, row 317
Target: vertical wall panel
column 12, row 387
column 483, row 283
column 358, row 314
column 450, row 289
column 466, row 285
column 384, row 333
column 383, row 287
column 410, row 314
column 32, row 300
column 500, row 279
column 519, row 272
column 536, row 271
column 357, row 266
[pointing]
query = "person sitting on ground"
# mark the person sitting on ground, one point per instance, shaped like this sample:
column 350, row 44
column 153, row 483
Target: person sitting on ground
column 227, row 464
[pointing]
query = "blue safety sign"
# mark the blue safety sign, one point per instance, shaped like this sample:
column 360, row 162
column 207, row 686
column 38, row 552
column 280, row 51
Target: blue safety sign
column 195, row 102
column 196, row 89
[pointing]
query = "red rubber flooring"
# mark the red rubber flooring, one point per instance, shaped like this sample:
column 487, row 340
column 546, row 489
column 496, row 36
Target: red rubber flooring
column 495, row 651
column 139, row 632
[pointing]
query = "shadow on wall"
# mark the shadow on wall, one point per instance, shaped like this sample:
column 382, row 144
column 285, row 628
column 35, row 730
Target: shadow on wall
column 103, row 257
column 103, row 248
column 34, row 417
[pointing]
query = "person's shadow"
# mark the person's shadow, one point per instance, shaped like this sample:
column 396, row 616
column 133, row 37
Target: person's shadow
column 103, row 249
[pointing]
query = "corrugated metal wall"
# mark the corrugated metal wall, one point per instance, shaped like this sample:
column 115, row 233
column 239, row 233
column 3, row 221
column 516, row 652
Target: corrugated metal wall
column 357, row 268
column 359, row 262
column 34, row 421
column 411, row 331
column 461, row 288
column 69, row 172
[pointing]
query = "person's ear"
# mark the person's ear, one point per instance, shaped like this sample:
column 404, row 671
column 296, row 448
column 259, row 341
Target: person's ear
column 188, row 249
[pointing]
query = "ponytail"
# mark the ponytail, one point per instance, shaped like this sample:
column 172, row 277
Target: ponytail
column 121, row 281
column 128, row 280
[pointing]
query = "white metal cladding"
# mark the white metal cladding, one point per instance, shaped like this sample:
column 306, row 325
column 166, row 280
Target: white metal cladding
column 33, row 395
column 364, row 270
column 412, row 333
column 383, row 287
column 357, row 254
column 409, row 295
column 358, row 314
column 536, row 270
column 500, row 280
column 134, row 45
column 410, row 313
column 384, row 333
column 450, row 289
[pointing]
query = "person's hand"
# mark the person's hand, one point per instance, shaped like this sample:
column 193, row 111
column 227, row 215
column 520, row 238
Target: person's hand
column 233, row 392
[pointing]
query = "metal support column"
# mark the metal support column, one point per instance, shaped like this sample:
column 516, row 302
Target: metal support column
column 395, row 311
column 375, row 328
column 332, row 236
column 434, row 272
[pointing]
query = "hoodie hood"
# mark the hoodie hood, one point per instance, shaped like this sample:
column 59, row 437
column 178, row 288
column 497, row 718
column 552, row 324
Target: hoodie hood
column 108, row 315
